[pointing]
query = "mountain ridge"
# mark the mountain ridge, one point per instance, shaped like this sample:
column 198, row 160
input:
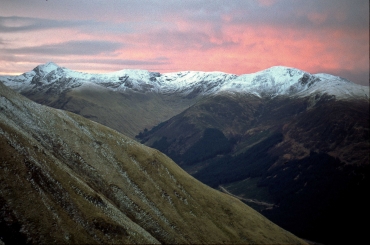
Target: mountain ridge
column 271, row 82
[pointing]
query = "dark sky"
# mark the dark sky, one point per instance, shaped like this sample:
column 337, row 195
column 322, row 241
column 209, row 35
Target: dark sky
column 234, row 36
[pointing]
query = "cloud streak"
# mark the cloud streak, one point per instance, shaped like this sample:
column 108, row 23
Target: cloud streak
column 26, row 24
column 235, row 36
column 68, row 48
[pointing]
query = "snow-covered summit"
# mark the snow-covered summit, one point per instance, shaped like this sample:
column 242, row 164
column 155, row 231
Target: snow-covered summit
column 272, row 82
column 46, row 68
column 280, row 80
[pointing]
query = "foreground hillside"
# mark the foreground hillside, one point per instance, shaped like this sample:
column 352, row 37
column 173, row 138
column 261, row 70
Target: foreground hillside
column 65, row 179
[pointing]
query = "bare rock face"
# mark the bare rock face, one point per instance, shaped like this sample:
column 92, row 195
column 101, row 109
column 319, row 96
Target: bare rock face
column 65, row 179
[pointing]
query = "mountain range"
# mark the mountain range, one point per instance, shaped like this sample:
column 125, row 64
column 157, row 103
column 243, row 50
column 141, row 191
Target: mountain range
column 150, row 98
column 292, row 145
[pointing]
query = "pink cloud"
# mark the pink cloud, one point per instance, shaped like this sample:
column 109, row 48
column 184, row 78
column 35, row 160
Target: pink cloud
column 266, row 3
column 317, row 18
column 239, row 37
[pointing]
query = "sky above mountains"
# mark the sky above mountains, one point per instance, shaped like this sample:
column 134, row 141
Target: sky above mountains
column 234, row 36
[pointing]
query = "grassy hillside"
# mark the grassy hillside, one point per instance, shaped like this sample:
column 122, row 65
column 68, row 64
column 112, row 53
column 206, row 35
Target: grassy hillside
column 65, row 179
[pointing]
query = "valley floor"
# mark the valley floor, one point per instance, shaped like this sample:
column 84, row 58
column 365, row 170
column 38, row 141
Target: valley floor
column 254, row 201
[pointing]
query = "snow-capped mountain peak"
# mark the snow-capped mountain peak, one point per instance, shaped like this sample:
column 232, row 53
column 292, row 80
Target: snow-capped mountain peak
column 46, row 68
column 272, row 82
column 286, row 81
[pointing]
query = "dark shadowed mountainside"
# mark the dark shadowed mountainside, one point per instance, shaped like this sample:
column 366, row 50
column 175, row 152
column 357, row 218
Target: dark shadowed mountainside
column 304, row 163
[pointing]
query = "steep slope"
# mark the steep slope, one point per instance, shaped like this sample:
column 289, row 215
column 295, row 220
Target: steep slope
column 65, row 179
column 230, row 114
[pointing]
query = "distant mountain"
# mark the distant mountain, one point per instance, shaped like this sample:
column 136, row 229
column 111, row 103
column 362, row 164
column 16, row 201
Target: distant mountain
column 293, row 145
column 128, row 100
column 66, row 179
column 53, row 79
column 132, row 100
